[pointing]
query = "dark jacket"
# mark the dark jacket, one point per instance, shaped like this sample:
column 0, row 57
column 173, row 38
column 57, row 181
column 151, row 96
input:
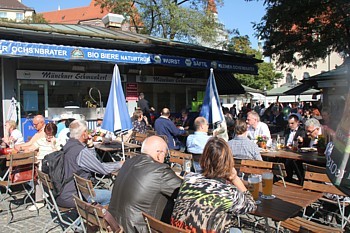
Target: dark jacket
column 300, row 132
column 164, row 126
column 142, row 185
column 71, row 150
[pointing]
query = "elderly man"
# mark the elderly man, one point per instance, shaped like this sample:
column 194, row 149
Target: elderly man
column 39, row 125
column 80, row 158
column 241, row 146
column 144, row 184
column 164, row 126
column 195, row 142
column 257, row 128
column 314, row 130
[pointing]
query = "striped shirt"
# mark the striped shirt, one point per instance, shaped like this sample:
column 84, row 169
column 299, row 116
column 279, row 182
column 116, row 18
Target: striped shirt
column 87, row 160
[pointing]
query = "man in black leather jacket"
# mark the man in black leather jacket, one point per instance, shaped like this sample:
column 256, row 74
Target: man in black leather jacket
column 144, row 184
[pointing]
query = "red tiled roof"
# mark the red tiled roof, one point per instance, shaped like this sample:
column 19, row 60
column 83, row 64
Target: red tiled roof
column 75, row 15
column 13, row 4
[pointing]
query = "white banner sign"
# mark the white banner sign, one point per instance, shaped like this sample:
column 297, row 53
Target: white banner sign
column 59, row 75
column 173, row 80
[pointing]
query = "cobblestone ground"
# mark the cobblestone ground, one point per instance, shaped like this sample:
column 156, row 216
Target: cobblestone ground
column 27, row 221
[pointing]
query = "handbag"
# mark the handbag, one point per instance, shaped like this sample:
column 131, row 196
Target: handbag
column 23, row 173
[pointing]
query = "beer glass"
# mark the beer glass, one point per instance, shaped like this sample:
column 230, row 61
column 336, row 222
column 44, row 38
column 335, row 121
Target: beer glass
column 267, row 181
column 253, row 187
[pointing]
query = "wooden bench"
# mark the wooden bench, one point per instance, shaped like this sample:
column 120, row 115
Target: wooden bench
column 299, row 224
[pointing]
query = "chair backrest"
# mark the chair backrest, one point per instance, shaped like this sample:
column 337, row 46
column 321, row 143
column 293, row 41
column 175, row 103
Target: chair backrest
column 21, row 167
column 85, row 187
column 138, row 137
column 156, row 226
column 255, row 166
column 96, row 215
column 316, row 179
column 151, row 132
column 179, row 157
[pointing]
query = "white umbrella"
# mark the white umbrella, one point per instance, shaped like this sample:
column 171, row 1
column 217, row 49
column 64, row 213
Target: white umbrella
column 12, row 111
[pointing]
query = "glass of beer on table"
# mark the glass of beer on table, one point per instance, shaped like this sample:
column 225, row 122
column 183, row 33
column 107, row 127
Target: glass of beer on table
column 253, row 187
column 267, row 181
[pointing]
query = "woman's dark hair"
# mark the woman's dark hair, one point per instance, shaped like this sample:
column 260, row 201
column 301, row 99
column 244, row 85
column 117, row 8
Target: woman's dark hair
column 217, row 159
column 50, row 129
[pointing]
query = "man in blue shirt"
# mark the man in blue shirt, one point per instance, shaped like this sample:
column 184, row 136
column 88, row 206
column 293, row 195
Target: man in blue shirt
column 195, row 142
column 164, row 126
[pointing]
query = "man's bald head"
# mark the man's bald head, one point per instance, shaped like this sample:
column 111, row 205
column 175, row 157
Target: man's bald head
column 156, row 147
column 39, row 122
column 165, row 112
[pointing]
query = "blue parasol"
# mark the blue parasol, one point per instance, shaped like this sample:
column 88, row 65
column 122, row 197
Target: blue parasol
column 211, row 108
column 116, row 117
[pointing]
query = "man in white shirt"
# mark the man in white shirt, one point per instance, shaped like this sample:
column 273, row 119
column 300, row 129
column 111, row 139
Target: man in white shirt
column 257, row 128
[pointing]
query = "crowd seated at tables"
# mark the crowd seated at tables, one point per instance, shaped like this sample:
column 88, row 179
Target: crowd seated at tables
column 146, row 184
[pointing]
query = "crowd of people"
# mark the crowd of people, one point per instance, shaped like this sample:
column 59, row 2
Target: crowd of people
column 209, row 199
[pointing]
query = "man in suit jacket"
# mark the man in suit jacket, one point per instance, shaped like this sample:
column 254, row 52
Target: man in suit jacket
column 294, row 133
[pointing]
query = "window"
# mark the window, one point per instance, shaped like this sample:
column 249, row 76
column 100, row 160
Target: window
column 19, row 16
column 3, row 14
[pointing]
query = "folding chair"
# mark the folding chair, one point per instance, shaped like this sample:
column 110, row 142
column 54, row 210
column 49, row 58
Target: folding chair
column 316, row 180
column 182, row 159
column 62, row 214
column 23, row 165
column 96, row 216
column 156, row 226
column 85, row 188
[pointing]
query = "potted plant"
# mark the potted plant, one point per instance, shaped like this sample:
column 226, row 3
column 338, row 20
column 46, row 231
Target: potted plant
column 261, row 141
column 321, row 145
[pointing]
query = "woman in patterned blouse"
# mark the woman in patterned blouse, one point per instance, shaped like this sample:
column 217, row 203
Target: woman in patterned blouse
column 140, row 122
column 210, row 202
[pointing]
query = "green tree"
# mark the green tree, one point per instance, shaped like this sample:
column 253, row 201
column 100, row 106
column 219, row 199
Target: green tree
column 301, row 32
column 266, row 76
column 36, row 18
column 184, row 20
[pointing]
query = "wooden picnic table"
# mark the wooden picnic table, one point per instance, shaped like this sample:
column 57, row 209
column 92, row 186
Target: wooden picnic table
column 115, row 147
column 308, row 157
column 288, row 202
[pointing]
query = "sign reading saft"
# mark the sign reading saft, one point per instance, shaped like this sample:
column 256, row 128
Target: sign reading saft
column 205, row 64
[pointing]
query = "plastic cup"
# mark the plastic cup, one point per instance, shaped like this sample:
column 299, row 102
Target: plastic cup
column 267, row 181
column 253, row 187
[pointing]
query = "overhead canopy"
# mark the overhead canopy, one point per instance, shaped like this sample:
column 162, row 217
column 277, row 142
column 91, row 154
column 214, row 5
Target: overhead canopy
column 249, row 89
column 227, row 84
column 282, row 91
column 98, row 43
column 301, row 88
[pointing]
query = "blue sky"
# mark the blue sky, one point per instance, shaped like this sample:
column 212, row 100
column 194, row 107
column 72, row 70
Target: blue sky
column 236, row 14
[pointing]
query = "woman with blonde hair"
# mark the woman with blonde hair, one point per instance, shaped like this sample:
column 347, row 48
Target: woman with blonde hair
column 12, row 134
column 209, row 202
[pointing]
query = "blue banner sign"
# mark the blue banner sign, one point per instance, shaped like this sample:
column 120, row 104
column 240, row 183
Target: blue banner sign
column 14, row 48
column 205, row 64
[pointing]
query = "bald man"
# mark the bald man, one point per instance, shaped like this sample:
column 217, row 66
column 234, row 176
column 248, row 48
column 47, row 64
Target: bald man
column 144, row 184
column 39, row 125
column 164, row 126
